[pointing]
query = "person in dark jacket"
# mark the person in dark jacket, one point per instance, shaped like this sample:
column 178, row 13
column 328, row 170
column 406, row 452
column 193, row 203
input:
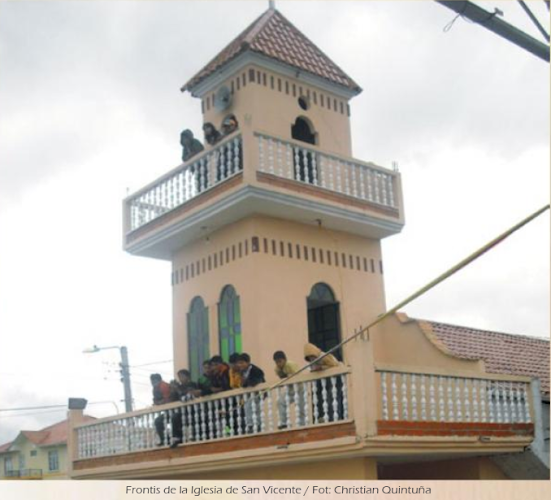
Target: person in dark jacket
column 161, row 396
column 204, row 381
column 220, row 375
column 183, row 389
column 251, row 376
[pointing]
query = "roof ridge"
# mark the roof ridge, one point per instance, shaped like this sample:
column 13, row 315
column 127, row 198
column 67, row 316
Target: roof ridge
column 258, row 25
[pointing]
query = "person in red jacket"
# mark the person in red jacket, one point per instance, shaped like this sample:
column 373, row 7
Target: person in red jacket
column 161, row 396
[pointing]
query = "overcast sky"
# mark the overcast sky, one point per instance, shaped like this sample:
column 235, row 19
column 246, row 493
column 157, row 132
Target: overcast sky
column 90, row 107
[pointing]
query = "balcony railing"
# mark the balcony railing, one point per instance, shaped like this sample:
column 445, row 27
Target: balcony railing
column 202, row 173
column 415, row 397
column 306, row 403
column 24, row 473
column 294, row 161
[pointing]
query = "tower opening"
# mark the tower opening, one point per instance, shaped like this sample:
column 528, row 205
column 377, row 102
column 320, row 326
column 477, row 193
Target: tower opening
column 324, row 319
column 229, row 322
column 304, row 161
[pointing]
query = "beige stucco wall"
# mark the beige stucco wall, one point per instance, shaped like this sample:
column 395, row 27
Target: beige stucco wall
column 354, row 468
column 273, row 289
column 40, row 461
column 268, row 110
column 467, row 468
column 394, row 341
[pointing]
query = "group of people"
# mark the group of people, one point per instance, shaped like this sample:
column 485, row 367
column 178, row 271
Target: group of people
column 219, row 376
column 191, row 146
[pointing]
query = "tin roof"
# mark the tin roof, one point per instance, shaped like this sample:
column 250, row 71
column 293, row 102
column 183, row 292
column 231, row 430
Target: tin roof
column 274, row 36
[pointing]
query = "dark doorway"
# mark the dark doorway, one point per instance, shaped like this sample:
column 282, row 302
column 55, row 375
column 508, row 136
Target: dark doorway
column 324, row 319
column 304, row 160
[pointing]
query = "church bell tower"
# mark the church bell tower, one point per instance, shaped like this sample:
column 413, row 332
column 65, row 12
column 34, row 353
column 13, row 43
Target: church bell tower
column 273, row 228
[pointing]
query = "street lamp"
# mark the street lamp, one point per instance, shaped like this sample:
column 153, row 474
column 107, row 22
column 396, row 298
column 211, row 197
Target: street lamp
column 125, row 372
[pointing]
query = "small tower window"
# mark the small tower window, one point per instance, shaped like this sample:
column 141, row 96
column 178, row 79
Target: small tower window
column 303, row 102
column 305, row 163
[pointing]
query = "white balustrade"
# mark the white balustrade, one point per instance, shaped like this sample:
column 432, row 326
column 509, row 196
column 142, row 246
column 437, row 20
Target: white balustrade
column 320, row 399
column 310, row 166
column 452, row 399
column 198, row 175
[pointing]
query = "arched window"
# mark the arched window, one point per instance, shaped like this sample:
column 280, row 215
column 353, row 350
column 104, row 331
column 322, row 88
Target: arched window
column 229, row 322
column 198, row 336
column 324, row 319
column 305, row 161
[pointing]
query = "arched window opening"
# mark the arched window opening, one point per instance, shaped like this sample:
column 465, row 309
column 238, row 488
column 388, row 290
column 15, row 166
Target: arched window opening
column 229, row 322
column 305, row 161
column 198, row 336
column 324, row 319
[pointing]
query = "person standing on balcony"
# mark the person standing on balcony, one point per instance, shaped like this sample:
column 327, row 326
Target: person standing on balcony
column 190, row 145
column 182, row 390
column 161, row 396
column 251, row 377
column 288, row 395
column 235, row 374
column 204, row 381
column 220, row 375
column 324, row 393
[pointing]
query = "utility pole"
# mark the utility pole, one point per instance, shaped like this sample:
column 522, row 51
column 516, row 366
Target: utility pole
column 491, row 22
column 125, row 372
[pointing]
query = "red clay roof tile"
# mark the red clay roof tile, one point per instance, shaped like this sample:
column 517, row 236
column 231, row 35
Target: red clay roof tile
column 503, row 353
column 274, row 36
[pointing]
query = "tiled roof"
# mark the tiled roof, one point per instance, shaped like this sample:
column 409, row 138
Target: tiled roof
column 54, row 434
column 272, row 35
column 502, row 353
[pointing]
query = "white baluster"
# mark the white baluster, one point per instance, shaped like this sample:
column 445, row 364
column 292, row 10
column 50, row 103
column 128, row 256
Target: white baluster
column 362, row 182
column 383, row 188
column 354, row 182
column 499, row 406
column 384, row 396
column 346, row 179
column 369, row 174
column 413, row 396
column 325, row 403
column 271, row 155
column 520, row 408
column 338, row 175
column 204, row 436
column 458, row 413
column 505, row 402
column 527, row 416
column 314, row 168
column 287, row 397
column 403, row 388
column 390, row 189
column 432, row 399
column 344, row 396
column 289, row 161
column 306, row 408
column 467, row 400
column 298, row 177
column 441, row 401
column 394, row 394
column 512, row 403
column 270, row 395
column 422, row 384
column 314, row 387
column 255, row 416
column 322, row 171
column 334, row 396
column 279, row 159
column 331, row 174
column 232, row 409
column 261, row 161
column 376, row 177
column 476, row 390
column 451, row 417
